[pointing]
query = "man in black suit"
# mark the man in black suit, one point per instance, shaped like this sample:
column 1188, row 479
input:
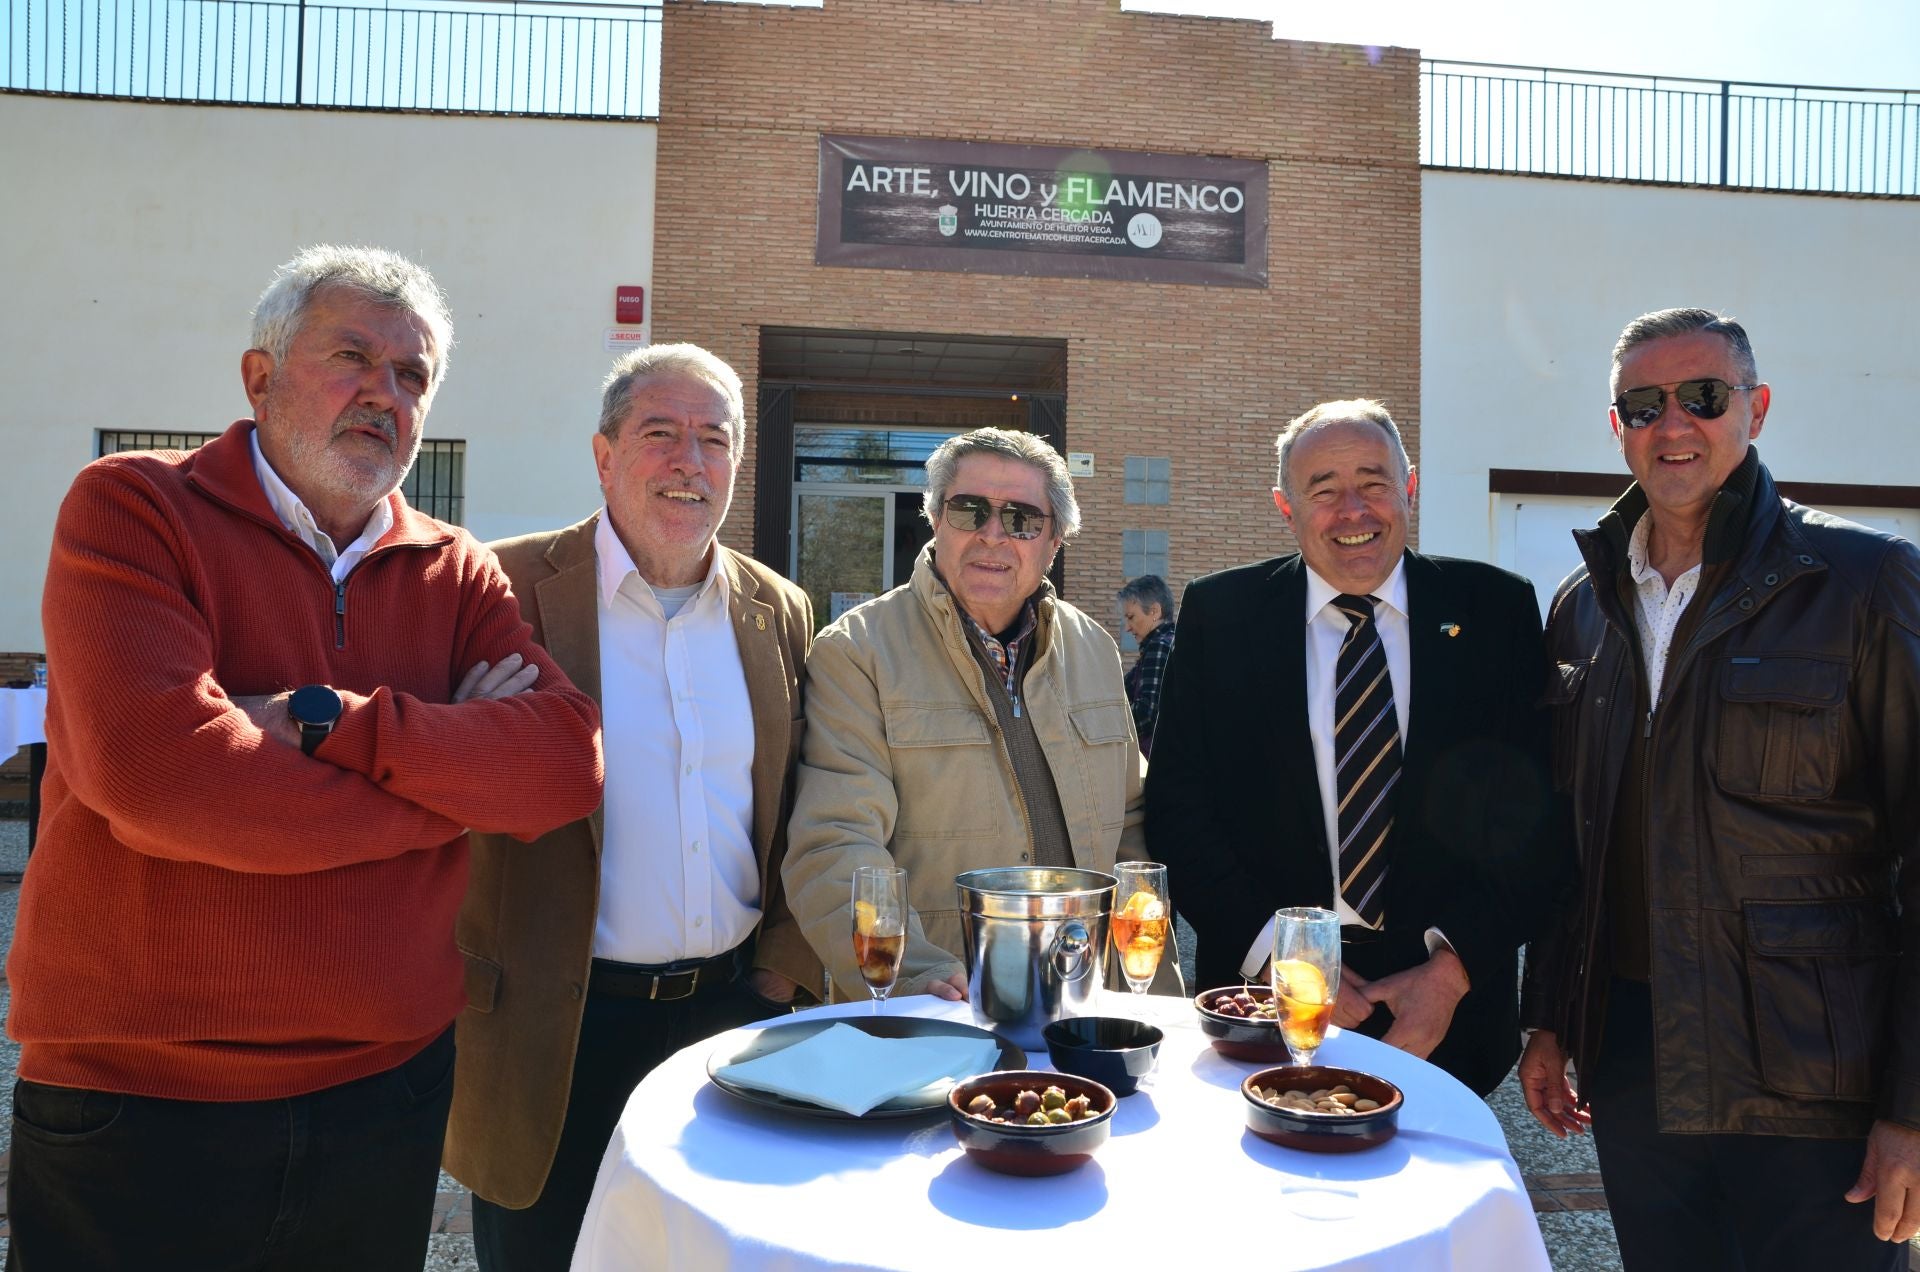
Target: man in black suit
column 1359, row 727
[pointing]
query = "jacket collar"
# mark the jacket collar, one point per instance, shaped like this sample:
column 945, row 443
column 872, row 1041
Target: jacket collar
column 223, row 470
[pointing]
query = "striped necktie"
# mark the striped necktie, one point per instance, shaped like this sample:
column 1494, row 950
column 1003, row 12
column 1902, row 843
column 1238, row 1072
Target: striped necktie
column 1366, row 750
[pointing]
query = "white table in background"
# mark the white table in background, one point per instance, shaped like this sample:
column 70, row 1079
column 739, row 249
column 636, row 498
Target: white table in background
column 695, row 1179
column 23, row 714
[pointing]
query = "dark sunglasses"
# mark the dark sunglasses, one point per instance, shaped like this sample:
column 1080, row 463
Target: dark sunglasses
column 970, row 512
column 1702, row 399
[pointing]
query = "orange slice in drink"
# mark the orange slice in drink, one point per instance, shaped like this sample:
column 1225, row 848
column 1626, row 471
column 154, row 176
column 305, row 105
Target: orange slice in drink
column 1300, row 981
column 865, row 918
column 1143, row 906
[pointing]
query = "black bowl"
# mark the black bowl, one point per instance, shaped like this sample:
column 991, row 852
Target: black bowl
column 1018, row 1149
column 1256, row 1041
column 1322, row 1132
column 1111, row 1050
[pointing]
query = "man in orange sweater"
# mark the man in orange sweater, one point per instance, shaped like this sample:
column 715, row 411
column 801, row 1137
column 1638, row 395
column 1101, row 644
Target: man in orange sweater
column 280, row 696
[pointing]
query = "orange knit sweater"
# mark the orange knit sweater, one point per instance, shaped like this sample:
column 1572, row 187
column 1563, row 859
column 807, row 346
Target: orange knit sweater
column 209, row 914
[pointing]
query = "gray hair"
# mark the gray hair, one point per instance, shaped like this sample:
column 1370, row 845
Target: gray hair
column 1148, row 591
column 1351, row 411
column 634, row 371
column 1028, row 448
column 380, row 277
column 1662, row 323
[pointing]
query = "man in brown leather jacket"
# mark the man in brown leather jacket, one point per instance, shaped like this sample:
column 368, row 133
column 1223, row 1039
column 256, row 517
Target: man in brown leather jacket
column 1738, row 726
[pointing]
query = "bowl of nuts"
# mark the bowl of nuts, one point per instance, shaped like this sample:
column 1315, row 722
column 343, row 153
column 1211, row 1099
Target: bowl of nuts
column 1242, row 1023
column 1030, row 1122
column 1320, row 1108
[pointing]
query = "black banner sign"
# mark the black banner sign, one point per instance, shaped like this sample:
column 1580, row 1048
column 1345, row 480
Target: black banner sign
column 984, row 208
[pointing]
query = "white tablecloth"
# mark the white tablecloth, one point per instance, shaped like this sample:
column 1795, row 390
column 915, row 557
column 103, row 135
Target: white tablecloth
column 695, row 1179
column 23, row 714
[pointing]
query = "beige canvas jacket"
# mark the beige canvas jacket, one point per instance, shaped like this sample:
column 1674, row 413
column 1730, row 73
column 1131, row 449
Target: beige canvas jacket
column 527, row 926
column 904, row 764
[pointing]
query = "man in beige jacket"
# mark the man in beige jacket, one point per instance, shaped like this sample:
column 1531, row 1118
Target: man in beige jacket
column 967, row 720
column 601, row 949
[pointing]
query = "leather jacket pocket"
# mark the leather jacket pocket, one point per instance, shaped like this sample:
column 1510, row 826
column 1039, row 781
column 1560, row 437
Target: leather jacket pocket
column 1820, row 977
column 1779, row 735
column 1563, row 697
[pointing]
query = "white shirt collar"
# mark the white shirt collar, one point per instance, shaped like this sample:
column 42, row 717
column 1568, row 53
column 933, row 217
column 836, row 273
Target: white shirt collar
column 296, row 517
column 615, row 566
column 1392, row 592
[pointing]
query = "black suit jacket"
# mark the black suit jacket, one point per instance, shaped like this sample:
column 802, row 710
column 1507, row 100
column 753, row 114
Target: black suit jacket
column 1478, row 846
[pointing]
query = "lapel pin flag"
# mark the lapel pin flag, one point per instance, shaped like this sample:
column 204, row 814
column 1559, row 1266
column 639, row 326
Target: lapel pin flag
column 1450, row 629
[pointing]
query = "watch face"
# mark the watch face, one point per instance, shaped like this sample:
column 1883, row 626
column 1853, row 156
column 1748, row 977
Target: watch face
column 314, row 705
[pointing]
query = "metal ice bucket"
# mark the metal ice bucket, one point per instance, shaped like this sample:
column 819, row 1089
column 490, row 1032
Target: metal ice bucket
column 1036, row 946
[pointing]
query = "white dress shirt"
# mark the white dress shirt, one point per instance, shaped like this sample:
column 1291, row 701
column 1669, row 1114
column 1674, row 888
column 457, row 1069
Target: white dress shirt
column 678, row 878
column 1660, row 607
column 294, row 516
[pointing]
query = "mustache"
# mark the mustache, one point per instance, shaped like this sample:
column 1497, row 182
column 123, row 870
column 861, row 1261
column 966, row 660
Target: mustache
column 383, row 422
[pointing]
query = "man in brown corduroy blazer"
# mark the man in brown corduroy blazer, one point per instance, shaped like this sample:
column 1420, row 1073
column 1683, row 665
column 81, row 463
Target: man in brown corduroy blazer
column 598, row 950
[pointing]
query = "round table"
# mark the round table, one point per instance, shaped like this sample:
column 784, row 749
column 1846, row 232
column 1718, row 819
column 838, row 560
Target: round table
column 697, row 1179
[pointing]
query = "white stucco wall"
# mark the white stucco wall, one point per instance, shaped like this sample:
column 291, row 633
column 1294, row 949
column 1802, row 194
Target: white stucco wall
column 1527, row 282
column 134, row 240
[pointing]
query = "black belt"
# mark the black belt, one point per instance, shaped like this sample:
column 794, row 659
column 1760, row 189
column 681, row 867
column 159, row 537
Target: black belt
column 666, row 982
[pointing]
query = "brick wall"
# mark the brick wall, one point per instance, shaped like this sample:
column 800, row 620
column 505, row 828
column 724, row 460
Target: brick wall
column 1205, row 375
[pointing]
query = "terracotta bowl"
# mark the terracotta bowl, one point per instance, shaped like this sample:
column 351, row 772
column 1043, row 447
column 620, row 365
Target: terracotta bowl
column 1322, row 1132
column 1112, row 1050
column 1256, row 1041
column 1016, row 1149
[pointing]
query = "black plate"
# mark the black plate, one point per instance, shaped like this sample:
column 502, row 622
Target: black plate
column 765, row 1042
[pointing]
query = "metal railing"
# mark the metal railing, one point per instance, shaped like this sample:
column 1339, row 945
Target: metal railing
column 1689, row 132
column 546, row 57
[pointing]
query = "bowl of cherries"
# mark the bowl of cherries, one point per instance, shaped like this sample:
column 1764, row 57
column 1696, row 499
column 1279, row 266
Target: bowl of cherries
column 1242, row 1023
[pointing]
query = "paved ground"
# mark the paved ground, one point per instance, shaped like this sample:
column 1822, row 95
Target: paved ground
column 1562, row 1177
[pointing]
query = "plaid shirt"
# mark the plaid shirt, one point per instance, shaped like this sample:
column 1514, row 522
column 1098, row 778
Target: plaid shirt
column 1144, row 679
column 1006, row 654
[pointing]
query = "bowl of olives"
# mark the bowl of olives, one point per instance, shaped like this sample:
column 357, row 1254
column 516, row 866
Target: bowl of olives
column 1320, row 1108
column 1112, row 1050
column 1242, row 1023
column 1031, row 1122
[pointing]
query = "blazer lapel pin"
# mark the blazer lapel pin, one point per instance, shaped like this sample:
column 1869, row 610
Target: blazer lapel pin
column 760, row 621
column 1450, row 629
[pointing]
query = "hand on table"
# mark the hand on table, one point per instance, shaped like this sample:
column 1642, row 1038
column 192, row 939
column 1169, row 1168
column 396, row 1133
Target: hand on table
column 1422, row 999
column 512, row 674
column 953, row 988
column 1891, row 1176
column 1543, row 1080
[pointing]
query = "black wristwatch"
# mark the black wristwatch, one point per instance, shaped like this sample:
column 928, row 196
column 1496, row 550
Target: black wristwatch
column 316, row 709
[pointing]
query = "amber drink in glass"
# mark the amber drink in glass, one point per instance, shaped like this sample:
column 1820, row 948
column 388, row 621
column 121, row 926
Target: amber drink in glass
column 1306, row 977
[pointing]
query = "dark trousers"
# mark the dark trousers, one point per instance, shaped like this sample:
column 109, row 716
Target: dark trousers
column 1734, row 1203
column 341, row 1178
column 621, row 1040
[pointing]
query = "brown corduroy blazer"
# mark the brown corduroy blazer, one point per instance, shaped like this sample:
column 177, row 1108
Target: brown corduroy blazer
column 526, row 928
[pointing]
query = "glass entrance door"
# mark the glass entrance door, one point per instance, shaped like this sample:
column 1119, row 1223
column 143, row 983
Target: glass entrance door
column 857, row 526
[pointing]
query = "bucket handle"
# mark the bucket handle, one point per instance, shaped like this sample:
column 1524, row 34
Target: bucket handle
column 1070, row 952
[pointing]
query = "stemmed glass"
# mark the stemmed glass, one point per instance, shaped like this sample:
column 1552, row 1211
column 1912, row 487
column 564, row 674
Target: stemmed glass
column 1142, row 916
column 879, row 927
column 1306, row 976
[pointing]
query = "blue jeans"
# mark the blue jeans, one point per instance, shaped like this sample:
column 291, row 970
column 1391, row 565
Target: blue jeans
column 342, row 1178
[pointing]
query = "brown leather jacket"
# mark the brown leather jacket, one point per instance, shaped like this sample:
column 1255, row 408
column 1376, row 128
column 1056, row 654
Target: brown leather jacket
column 1783, row 820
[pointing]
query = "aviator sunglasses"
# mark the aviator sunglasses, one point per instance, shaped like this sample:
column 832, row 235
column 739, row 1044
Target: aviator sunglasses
column 1702, row 399
column 970, row 512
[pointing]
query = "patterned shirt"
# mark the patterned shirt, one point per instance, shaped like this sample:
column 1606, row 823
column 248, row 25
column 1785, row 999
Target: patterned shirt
column 1144, row 679
column 1006, row 653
